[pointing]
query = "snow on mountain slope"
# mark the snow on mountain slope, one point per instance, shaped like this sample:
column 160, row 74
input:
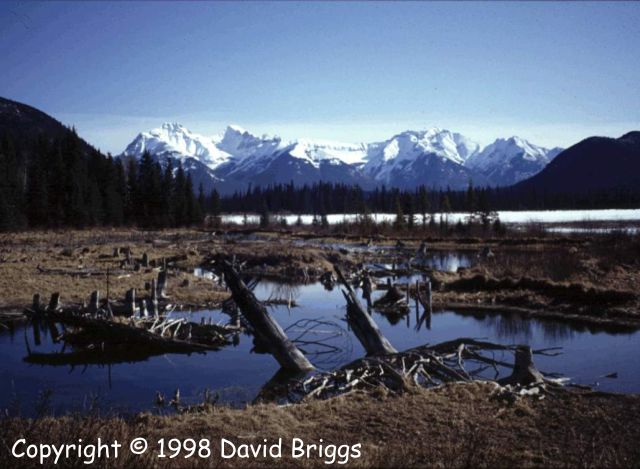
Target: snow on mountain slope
column 434, row 157
column 174, row 140
column 402, row 151
column 507, row 161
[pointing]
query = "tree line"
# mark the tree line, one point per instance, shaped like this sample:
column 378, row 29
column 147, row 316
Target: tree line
column 329, row 198
column 63, row 182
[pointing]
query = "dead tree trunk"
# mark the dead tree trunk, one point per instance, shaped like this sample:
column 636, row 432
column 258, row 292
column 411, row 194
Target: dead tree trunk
column 143, row 309
column 267, row 331
column 94, row 302
column 153, row 301
column 130, row 301
column 36, row 306
column 162, row 283
column 364, row 327
column 367, row 288
column 54, row 302
column 524, row 371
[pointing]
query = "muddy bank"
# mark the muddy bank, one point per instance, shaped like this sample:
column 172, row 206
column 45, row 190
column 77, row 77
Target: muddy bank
column 458, row 425
column 530, row 297
column 592, row 278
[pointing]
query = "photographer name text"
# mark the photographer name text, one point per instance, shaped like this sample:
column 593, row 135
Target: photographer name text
column 186, row 448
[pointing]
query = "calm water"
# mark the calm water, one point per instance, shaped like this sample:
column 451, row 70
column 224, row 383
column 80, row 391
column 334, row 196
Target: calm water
column 238, row 374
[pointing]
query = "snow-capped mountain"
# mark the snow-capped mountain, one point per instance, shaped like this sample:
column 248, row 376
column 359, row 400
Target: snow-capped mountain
column 434, row 157
column 175, row 141
column 507, row 161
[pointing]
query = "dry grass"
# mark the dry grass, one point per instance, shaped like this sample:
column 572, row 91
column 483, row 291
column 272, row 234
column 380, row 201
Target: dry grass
column 462, row 425
column 21, row 254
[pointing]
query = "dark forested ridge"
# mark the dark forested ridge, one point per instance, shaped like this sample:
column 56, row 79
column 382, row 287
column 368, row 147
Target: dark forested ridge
column 50, row 177
column 594, row 165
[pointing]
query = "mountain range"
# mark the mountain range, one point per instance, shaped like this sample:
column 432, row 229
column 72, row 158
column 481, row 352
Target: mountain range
column 236, row 158
column 435, row 157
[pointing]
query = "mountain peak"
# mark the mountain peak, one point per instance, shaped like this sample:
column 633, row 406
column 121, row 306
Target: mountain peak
column 235, row 129
column 174, row 140
column 173, row 127
column 509, row 160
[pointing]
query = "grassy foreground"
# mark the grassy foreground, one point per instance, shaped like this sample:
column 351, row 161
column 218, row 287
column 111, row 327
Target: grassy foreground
column 460, row 425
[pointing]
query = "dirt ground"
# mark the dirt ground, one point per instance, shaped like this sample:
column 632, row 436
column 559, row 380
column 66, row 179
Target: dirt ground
column 458, row 425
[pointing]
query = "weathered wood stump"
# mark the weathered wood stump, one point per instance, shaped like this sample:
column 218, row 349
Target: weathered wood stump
column 93, row 302
column 524, row 371
column 161, row 284
column 153, row 301
column 54, row 302
column 130, row 302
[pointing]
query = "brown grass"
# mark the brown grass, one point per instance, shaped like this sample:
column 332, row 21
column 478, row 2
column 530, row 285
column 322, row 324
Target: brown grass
column 462, row 425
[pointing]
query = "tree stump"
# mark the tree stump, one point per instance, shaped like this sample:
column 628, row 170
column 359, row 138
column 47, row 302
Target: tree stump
column 524, row 371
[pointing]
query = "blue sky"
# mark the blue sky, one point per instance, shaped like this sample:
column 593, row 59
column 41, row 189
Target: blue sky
column 550, row 72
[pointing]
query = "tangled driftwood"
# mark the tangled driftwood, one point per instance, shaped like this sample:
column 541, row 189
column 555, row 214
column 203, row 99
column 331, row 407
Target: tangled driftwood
column 98, row 336
column 460, row 360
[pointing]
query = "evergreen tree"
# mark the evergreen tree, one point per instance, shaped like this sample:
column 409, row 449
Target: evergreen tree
column 215, row 207
column 193, row 209
column 202, row 201
column 131, row 202
column 399, row 222
column 168, row 193
column 409, row 210
column 264, row 215
column 423, row 201
column 179, row 199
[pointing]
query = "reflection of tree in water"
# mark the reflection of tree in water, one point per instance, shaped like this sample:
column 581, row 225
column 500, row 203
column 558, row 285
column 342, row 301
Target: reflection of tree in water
column 511, row 327
column 448, row 261
column 326, row 343
column 284, row 292
column 516, row 329
column 556, row 331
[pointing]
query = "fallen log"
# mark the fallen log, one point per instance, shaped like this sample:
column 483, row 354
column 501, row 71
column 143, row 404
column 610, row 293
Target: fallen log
column 364, row 327
column 266, row 329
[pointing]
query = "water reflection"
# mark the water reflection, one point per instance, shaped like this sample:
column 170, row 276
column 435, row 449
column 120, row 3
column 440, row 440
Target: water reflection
column 318, row 324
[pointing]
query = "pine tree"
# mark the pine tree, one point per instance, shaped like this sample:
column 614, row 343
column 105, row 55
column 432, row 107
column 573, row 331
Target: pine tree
column 471, row 197
column 264, row 216
column 131, row 201
column 179, row 199
column 202, row 201
column 194, row 215
column 215, row 207
column 168, row 193
column 399, row 222
column 423, row 201
column 410, row 215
